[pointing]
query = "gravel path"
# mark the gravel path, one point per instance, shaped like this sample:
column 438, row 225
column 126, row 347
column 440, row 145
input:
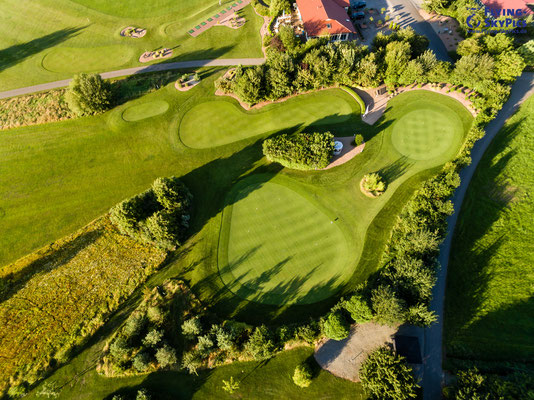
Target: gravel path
column 139, row 70
column 433, row 350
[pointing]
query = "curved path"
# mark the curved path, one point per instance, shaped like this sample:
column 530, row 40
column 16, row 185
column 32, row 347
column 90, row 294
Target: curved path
column 433, row 376
column 139, row 70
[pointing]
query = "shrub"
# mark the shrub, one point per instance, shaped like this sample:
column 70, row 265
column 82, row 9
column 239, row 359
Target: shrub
column 142, row 394
column 141, row 361
column 358, row 139
column 260, row 344
column 356, row 97
column 172, row 193
column 225, row 338
column 230, row 386
column 88, row 94
column 119, row 348
column 308, row 333
column 191, row 328
column 152, row 338
column 155, row 314
column 336, row 326
column 134, row 325
column 387, row 308
column 373, row 183
column 192, row 361
column 302, row 376
column 166, row 356
column 359, row 310
column 386, row 376
column 302, row 151
column 205, row 345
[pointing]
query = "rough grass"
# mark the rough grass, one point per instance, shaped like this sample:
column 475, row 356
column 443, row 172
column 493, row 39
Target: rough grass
column 217, row 123
column 34, row 109
column 489, row 303
column 49, row 40
column 280, row 247
column 62, row 293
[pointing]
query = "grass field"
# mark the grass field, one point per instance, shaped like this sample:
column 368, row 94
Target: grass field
column 280, row 247
column 489, row 303
column 48, row 40
column 145, row 110
column 60, row 176
column 217, row 123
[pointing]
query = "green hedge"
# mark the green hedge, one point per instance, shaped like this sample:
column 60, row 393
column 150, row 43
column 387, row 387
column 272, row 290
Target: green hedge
column 355, row 95
column 304, row 151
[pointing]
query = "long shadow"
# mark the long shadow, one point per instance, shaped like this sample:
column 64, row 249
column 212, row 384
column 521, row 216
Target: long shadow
column 47, row 263
column 14, row 54
column 395, row 170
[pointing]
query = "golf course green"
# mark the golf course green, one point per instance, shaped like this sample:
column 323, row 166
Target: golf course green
column 145, row 110
column 280, row 247
column 216, row 123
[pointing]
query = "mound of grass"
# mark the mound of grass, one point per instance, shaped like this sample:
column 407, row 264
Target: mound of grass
column 489, row 306
column 141, row 111
column 63, row 293
column 280, row 247
column 94, row 59
column 427, row 132
column 217, row 123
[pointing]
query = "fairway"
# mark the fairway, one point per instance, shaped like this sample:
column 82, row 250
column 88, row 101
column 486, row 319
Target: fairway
column 68, row 59
column 216, row 123
column 145, row 110
column 281, row 248
column 426, row 133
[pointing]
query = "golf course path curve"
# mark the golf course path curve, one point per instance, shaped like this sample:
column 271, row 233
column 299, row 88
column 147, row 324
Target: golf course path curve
column 138, row 70
column 433, row 377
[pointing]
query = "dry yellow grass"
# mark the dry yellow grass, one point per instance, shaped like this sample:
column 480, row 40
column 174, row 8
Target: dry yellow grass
column 62, row 293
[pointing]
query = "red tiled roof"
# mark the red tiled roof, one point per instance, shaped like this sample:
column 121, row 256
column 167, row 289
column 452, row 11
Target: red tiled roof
column 318, row 15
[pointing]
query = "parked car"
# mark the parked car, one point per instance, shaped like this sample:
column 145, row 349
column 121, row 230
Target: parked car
column 360, row 4
column 358, row 15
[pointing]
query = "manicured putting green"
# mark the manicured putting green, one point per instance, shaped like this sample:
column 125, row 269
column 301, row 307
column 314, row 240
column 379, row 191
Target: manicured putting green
column 145, row 110
column 216, row 123
column 73, row 59
column 278, row 247
column 426, row 133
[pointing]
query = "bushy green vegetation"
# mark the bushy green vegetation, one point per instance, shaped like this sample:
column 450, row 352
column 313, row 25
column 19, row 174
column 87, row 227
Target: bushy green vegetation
column 386, row 376
column 373, row 184
column 300, row 150
column 488, row 307
column 159, row 216
column 62, row 294
column 336, row 326
column 302, row 375
column 356, row 96
column 88, row 94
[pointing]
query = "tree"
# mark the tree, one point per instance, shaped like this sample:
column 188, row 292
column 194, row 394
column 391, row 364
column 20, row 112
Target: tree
column 509, row 65
column 496, row 44
column 388, row 309
column 260, row 344
column 141, row 361
column 474, row 70
column 152, row 338
column 302, row 376
column 470, row 46
column 397, row 57
column 287, row 36
column 386, row 376
column 249, row 86
column 277, row 6
column 142, row 394
column 527, row 52
column 205, row 345
column 279, row 74
column 172, row 193
column 230, row 386
column 88, row 94
column 358, row 308
column 192, row 361
column 368, row 71
column 166, row 356
column 373, row 183
column 119, row 349
column 192, row 327
column 413, row 73
column 336, row 326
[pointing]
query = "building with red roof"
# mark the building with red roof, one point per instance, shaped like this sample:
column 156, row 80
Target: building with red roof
column 326, row 18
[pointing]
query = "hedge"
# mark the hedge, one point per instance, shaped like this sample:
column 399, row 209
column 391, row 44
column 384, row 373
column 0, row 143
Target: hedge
column 355, row 95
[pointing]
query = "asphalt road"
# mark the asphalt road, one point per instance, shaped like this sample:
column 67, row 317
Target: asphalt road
column 139, row 70
column 433, row 377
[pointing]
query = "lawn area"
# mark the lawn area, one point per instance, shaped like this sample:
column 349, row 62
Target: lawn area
column 216, row 123
column 489, row 303
column 48, row 40
column 258, row 380
column 278, row 247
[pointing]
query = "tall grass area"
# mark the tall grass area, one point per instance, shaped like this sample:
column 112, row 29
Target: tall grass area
column 49, row 40
column 61, row 294
column 489, row 303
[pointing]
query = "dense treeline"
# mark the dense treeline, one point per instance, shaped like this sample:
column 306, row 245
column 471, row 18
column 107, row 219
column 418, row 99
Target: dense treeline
column 300, row 150
column 158, row 216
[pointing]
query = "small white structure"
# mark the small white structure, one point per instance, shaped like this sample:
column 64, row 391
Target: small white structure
column 338, row 148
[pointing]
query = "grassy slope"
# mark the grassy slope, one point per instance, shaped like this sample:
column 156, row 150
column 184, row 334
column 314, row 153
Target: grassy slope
column 489, row 304
column 270, row 380
column 48, row 40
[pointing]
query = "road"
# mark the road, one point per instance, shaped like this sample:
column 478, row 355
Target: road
column 139, row 70
column 433, row 351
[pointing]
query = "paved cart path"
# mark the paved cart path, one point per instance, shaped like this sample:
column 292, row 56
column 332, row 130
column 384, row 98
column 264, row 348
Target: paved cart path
column 433, row 348
column 138, row 70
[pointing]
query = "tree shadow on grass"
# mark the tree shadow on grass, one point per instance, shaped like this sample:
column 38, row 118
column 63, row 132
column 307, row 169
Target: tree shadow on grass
column 395, row 170
column 14, row 54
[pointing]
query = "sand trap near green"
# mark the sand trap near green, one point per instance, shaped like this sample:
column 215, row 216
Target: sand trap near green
column 76, row 59
column 145, row 110
column 427, row 132
column 216, row 123
column 278, row 247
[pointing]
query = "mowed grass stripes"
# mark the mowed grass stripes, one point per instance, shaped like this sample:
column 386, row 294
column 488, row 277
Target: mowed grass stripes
column 280, row 247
